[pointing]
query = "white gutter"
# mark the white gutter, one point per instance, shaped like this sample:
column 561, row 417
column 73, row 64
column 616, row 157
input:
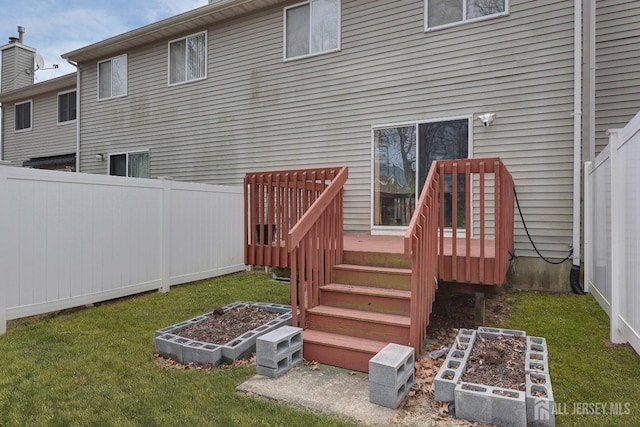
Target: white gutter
column 592, row 80
column 77, row 113
column 577, row 123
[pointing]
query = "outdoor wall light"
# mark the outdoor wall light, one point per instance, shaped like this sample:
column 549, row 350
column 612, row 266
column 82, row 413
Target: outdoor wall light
column 101, row 156
column 486, row 118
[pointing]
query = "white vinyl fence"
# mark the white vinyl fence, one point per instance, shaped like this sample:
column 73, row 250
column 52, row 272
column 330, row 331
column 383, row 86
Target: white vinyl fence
column 68, row 239
column 612, row 232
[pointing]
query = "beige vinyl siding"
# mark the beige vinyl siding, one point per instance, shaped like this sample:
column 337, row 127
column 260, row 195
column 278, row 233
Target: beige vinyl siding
column 617, row 67
column 46, row 137
column 15, row 61
column 256, row 112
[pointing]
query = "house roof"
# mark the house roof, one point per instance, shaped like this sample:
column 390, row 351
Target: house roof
column 193, row 20
column 67, row 81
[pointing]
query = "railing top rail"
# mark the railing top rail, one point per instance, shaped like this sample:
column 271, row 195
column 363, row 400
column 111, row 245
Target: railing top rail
column 315, row 210
column 299, row 173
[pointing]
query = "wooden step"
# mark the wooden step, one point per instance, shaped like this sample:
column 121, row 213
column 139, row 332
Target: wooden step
column 340, row 350
column 361, row 324
column 375, row 259
column 378, row 277
column 381, row 300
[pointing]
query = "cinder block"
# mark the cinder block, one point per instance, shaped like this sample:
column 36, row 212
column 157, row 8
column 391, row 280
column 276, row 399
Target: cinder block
column 486, row 332
column 201, row 353
column 536, row 361
column 390, row 366
column 282, row 366
column 491, row 405
column 537, row 344
column 170, row 346
column 272, row 347
column 539, row 398
column 391, row 396
column 454, row 365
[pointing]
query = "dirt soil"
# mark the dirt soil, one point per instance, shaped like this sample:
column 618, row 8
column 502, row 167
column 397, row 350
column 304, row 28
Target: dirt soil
column 498, row 362
column 223, row 326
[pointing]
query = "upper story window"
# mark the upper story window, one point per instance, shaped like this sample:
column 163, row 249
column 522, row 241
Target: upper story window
column 112, row 77
column 188, row 59
column 445, row 13
column 23, row 112
column 134, row 164
column 311, row 28
column 66, row 106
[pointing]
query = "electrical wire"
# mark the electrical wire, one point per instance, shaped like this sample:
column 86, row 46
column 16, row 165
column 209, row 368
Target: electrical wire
column 531, row 240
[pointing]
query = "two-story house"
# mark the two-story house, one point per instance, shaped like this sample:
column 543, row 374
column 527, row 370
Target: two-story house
column 38, row 120
column 381, row 87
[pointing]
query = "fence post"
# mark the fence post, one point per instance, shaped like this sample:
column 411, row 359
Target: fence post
column 4, row 250
column 617, row 207
column 165, row 257
column 588, row 226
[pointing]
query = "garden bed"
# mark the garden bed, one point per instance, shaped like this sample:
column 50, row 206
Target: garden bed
column 192, row 342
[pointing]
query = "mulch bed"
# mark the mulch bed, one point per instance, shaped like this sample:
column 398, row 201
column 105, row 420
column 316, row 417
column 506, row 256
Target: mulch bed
column 220, row 327
column 497, row 362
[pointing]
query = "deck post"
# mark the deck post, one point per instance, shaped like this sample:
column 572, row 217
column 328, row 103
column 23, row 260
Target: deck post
column 480, row 309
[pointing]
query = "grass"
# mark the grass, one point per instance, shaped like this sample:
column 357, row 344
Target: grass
column 96, row 366
column 584, row 368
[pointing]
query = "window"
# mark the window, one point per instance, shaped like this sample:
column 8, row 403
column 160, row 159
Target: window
column 134, row 164
column 402, row 156
column 188, row 59
column 112, row 77
column 312, row 28
column 66, row 106
column 439, row 13
column 23, row 115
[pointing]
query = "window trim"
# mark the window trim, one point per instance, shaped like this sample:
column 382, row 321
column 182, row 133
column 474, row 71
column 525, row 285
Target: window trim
column 127, row 153
column 308, row 55
column 30, row 102
column 206, row 58
column 507, row 12
column 126, row 88
column 392, row 229
column 58, row 107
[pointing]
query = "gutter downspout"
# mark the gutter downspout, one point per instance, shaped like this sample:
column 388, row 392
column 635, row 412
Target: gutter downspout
column 574, row 277
column 77, row 113
column 592, row 80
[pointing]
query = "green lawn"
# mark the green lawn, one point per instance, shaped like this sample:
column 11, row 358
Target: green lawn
column 584, row 369
column 96, row 366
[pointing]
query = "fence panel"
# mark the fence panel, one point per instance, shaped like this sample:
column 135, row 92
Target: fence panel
column 613, row 208
column 73, row 239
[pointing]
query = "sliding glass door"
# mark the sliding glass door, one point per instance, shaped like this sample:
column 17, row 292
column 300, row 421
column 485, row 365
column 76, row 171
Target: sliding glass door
column 402, row 156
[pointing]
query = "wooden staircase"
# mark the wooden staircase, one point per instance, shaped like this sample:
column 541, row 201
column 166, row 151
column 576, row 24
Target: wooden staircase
column 366, row 307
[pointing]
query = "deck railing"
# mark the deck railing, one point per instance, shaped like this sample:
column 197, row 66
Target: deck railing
column 315, row 244
column 487, row 190
column 274, row 202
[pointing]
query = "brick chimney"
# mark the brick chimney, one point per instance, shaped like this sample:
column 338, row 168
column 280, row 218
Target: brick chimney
column 17, row 63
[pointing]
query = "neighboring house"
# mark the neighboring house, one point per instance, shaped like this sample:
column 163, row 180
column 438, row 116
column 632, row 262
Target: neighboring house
column 381, row 87
column 38, row 120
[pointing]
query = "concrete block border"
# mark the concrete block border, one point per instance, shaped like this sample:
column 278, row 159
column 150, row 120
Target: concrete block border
column 454, row 365
column 487, row 404
column 183, row 350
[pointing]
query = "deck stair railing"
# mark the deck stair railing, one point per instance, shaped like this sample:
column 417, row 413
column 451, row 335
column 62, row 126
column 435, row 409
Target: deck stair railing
column 491, row 185
column 297, row 222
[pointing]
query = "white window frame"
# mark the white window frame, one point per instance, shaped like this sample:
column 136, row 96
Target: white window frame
column 206, row 59
column 464, row 14
column 284, row 31
column 128, row 153
column 30, row 102
column 126, row 86
column 58, row 107
column 400, row 230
